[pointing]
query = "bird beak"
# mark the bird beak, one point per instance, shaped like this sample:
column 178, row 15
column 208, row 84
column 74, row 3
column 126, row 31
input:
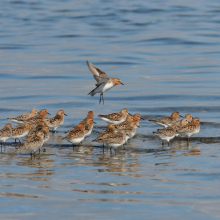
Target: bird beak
column 65, row 114
column 129, row 113
column 94, row 122
column 141, row 118
column 38, row 112
column 48, row 113
column 122, row 83
column 181, row 116
column 138, row 126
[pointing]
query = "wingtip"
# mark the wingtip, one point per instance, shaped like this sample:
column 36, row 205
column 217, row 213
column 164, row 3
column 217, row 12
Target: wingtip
column 88, row 63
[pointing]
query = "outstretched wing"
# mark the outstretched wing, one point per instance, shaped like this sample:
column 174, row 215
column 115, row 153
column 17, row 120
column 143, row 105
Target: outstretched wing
column 97, row 73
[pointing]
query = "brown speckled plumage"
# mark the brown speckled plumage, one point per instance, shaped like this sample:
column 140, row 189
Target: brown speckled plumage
column 25, row 116
column 115, row 118
column 37, row 118
column 32, row 144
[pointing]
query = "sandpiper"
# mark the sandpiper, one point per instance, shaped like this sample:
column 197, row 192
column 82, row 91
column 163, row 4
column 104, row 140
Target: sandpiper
column 104, row 83
column 33, row 144
column 167, row 121
column 5, row 133
column 37, row 118
column 190, row 129
column 57, row 121
column 20, row 119
column 76, row 135
column 115, row 118
column 166, row 134
column 20, row 131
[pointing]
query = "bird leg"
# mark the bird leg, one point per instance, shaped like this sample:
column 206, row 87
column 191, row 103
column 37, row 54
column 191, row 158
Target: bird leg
column 100, row 98
column 39, row 150
column 168, row 143
column 162, row 143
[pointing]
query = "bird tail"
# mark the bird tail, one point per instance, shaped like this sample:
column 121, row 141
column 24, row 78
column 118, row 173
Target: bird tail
column 92, row 93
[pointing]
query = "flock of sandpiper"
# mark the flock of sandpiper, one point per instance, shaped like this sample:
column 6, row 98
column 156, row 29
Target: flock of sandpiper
column 121, row 125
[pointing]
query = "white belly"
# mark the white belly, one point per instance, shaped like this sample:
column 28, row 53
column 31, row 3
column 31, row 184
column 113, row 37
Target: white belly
column 20, row 136
column 76, row 140
column 111, row 121
column 161, row 124
column 114, row 145
column 166, row 138
column 107, row 86
column 89, row 132
column 16, row 121
column 4, row 138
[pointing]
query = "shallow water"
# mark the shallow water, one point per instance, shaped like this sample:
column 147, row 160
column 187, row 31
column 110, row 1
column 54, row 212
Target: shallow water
column 167, row 55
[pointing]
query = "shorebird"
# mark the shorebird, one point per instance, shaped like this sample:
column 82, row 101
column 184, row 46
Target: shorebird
column 20, row 119
column 186, row 120
column 76, row 135
column 125, row 123
column 167, row 121
column 34, row 131
column 190, row 129
column 115, row 118
column 20, row 131
column 88, row 126
column 5, row 133
column 166, row 134
column 131, row 130
column 114, row 139
column 137, row 117
column 104, row 83
column 57, row 121
column 90, row 115
column 37, row 118
column 44, row 129
column 106, row 133
column 33, row 144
